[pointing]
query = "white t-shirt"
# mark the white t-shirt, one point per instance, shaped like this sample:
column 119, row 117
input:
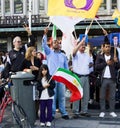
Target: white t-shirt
column 1, row 67
column 44, row 94
column 118, row 49
column 81, row 63
column 107, row 70
column 91, row 69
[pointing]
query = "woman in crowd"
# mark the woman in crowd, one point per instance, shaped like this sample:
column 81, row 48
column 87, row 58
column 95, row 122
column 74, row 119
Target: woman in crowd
column 32, row 64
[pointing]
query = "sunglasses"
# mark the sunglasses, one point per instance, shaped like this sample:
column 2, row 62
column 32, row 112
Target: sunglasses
column 18, row 41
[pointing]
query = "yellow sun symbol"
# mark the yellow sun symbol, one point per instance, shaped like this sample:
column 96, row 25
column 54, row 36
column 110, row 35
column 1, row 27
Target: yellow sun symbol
column 79, row 3
column 75, row 82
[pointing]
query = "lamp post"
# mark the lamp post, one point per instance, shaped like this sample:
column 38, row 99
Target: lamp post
column 30, row 11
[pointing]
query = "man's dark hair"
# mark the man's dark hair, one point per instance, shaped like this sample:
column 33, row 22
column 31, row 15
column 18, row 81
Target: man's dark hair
column 106, row 41
column 114, row 36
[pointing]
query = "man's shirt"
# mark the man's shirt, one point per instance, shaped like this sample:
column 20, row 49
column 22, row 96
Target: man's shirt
column 81, row 63
column 54, row 59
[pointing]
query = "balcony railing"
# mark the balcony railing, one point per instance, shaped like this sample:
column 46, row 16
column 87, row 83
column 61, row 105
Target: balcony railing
column 10, row 21
column 38, row 20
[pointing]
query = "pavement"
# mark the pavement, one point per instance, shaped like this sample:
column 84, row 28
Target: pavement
column 82, row 122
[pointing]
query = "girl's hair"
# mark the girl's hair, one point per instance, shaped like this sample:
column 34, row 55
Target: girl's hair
column 28, row 53
column 43, row 66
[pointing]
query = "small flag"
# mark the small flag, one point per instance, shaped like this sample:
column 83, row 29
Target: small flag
column 116, row 17
column 54, row 36
column 71, row 81
column 86, row 31
column 43, row 56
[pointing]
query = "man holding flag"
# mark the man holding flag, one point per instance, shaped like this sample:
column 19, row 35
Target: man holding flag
column 56, row 59
column 70, row 8
column 81, row 67
column 72, row 12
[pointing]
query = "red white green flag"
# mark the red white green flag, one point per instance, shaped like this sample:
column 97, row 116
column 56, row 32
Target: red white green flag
column 71, row 81
column 54, row 35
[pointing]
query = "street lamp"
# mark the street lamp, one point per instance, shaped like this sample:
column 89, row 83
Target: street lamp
column 30, row 11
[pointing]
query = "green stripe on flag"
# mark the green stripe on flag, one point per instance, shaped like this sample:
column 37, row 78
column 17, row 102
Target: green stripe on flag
column 54, row 34
column 70, row 73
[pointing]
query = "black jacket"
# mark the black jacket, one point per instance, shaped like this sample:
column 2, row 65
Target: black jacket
column 27, row 64
column 51, row 92
column 16, row 59
column 100, row 65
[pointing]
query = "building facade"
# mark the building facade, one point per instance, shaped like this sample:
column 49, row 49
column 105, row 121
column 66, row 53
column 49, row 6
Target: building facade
column 13, row 13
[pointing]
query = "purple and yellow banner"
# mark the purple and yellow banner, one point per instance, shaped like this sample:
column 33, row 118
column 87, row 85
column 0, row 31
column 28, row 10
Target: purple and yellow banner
column 74, row 8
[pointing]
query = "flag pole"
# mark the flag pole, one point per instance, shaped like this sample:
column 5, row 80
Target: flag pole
column 49, row 25
column 87, row 29
column 50, row 79
column 100, row 25
column 90, row 25
column 30, row 11
column 52, row 76
column 75, row 34
column 115, row 51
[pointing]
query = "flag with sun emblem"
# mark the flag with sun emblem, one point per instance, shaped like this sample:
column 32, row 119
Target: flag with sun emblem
column 74, row 8
column 71, row 81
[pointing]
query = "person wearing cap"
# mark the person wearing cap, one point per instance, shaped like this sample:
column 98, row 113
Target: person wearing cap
column 107, row 64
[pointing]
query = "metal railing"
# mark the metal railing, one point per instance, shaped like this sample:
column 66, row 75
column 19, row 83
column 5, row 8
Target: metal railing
column 38, row 20
column 10, row 21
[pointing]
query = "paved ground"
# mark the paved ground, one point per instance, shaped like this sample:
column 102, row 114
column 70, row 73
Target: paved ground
column 82, row 122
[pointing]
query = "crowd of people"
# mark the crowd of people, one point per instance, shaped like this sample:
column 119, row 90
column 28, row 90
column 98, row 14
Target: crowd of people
column 87, row 65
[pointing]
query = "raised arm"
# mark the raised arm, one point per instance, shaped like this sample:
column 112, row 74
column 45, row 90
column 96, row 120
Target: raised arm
column 78, row 46
column 32, row 38
column 44, row 42
column 105, row 32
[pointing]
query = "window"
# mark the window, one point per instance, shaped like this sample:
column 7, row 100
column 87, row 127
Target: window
column 114, row 4
column 42, row 2
column 41, row 6
column 7, row 6
column 0, row 7
column 18, row 6
column 28, row 6
column 103, row 5
column 3, row 45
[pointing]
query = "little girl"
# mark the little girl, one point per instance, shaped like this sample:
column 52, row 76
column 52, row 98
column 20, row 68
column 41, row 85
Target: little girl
column 46, row 92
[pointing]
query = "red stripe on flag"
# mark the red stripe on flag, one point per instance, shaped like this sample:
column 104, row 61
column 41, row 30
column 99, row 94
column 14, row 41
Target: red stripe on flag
column 74, row 90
